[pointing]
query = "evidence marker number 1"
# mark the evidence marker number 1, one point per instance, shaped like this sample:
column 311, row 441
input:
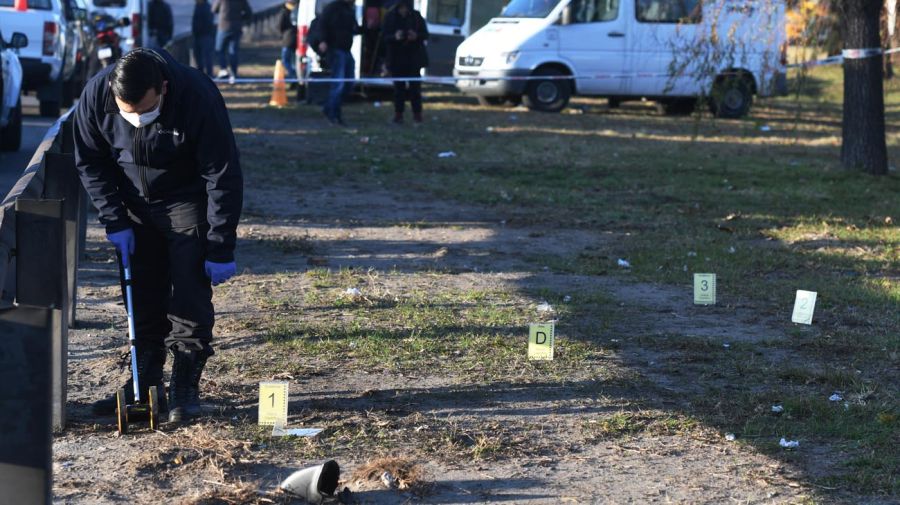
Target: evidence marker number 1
column 704, row 289
column 540, row 342
column 273, row 403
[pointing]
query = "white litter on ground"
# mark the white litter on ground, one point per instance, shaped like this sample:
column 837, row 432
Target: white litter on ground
column 730, row 437
column 624, row 263
column 353, row 292
column 544, row 307
column 778, row 409
column 447, row 154
column 836, row 397
column 789, row 444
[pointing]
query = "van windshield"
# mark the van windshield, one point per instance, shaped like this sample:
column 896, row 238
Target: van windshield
column 529, row 8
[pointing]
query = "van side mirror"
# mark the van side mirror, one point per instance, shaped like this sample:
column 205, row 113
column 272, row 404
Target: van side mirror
column 566, row 18
column 18, row 40
column 124, row 22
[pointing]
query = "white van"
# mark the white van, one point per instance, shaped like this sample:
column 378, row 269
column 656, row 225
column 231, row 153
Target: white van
column 449, row 23
column 628, row 49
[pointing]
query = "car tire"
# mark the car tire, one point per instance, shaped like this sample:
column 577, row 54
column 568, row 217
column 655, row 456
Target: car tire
column 677, row 106
column 614, row 102
column 548, row 95
column 11, row 136
column 731, row 97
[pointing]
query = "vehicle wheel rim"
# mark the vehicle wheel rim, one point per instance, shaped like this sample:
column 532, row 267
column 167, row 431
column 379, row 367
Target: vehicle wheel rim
column 546, row 92
column 733, row 99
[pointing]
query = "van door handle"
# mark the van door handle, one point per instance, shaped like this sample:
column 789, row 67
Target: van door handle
column 457, row 31
column 615, row 35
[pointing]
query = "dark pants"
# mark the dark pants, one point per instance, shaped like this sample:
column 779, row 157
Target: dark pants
column 172, row 296
column 342, row 66
column 204, row 48
column 229, row 44
column 408, row 90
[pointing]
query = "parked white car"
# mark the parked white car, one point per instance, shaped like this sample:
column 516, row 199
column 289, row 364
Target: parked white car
column 11, row 92
column 543, row 52
column 50, row 60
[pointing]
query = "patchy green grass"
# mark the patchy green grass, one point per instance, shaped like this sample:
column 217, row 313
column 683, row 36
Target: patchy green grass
column 769, row 212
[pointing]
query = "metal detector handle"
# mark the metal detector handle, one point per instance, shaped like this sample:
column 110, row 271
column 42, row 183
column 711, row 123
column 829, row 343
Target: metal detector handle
column 131, row 334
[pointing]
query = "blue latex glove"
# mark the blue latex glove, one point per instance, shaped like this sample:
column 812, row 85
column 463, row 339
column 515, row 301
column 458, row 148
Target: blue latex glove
column 124, row 242
column 219, row 272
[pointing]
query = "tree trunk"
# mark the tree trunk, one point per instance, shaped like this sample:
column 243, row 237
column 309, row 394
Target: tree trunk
column 890, row 35
column 863, row 146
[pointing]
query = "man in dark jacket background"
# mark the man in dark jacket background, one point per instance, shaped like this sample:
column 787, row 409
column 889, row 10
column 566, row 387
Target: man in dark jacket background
column 159, row 23
column 232, row 15
column 338, row 27
column 405, row 33
column 288, row 30
column 155, row 151
column 204, row 31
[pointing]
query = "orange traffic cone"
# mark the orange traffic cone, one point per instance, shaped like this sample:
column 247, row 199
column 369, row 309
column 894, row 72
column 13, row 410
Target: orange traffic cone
column 279, row 89
column 21, row 5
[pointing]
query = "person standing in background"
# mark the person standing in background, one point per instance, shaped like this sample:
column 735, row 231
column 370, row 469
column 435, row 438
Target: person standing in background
column 204, row 31
column 288, row 37
column 232, row 14
column 159, row 23
column 405, row 33
column 338, row 27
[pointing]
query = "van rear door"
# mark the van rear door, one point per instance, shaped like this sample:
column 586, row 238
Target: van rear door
column 447, row 21
column 593, row 39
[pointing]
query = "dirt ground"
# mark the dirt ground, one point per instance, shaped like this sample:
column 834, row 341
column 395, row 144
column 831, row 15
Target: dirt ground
column 611, row 421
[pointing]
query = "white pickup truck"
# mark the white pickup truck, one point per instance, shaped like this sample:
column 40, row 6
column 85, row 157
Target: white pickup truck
column 49, row 60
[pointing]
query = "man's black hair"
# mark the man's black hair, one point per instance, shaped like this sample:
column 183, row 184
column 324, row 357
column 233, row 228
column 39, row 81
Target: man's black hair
column 134, row 75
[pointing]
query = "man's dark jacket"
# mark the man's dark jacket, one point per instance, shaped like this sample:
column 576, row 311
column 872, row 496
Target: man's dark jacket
column 405, row 56
column 202, row 24
column 287, row 28
column 180, row 171
column 232, row 14
column 159, row 21
column 339, row 25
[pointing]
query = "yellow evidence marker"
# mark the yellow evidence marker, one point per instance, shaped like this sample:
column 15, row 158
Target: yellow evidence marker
column 804, row 306
column 273, row 403
column 540, row 342
column 704, row 289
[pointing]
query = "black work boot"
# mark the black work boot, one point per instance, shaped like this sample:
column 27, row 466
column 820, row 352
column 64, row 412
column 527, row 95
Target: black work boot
column 184, row 390
column 150, row 364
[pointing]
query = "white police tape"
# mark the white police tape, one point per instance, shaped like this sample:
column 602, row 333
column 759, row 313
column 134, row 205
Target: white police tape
column 846, row 54
column 858, row 54
column 447, row 79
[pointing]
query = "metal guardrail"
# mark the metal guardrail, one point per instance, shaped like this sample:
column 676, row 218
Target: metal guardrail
column 43, row 222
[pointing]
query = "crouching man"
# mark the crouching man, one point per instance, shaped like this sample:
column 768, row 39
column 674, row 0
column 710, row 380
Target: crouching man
column 155, row 150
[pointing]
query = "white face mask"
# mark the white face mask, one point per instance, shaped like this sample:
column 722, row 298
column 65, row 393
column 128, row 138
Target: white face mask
column 141, row 120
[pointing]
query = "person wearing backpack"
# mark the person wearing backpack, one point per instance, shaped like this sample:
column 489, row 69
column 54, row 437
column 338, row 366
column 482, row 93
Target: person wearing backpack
column 337, row 29
column 405, row 33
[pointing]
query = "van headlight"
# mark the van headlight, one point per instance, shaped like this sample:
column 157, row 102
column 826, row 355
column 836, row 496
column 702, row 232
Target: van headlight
column 510, row 57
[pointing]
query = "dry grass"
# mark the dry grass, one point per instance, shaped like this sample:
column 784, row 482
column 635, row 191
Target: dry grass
column 409, row 475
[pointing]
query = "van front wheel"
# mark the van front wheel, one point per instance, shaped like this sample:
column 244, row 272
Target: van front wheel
column 548, row 95
column 731, row 98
